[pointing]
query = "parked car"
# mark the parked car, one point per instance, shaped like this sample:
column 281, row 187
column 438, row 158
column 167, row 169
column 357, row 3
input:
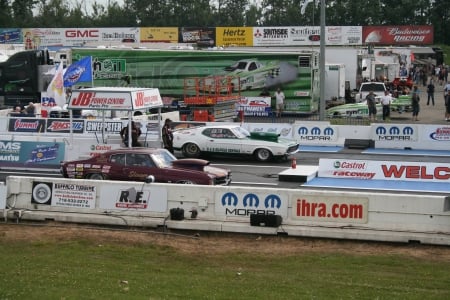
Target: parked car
column 137, row 164
column 360, row 110
column 232, row 140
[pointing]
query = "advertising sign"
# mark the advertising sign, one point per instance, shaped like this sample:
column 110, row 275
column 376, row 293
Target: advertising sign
column 77, row 37
column 10, row 36
column 384, row 170
column 237, row 204
column 346, row 209
column 124, row 197
column 398, row 35
column 26, row 125
column 255, row 106
column 61, row 125
column 234, row 36
column 158, row 34
column 63, row 194
column 31, row 154
column 127, row 99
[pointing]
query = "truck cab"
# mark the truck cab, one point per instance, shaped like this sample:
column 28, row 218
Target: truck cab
column 377, row 87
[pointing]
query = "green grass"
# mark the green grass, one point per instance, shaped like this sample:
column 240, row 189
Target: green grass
column 85, row 269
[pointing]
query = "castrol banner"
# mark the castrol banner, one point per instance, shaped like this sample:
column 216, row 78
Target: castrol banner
column 384, row 170
column 398, row 35
column 110, row 98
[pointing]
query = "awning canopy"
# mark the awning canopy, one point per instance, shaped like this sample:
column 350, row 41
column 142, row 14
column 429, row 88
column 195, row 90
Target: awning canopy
column 422, row 50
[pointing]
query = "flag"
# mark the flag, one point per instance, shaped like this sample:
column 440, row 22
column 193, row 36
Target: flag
column 55, row 90
column 304, row 4
column 80, row 71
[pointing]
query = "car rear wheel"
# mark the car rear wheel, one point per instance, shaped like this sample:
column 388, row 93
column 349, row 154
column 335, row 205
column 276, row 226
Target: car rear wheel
column 191, row 150
column 96, row 176
column 263, row 155
column 186, row 182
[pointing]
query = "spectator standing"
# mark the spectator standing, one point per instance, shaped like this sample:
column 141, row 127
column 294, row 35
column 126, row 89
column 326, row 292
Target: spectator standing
column 167, row 135
column 279, row 101
column 430, row 92
column 415, row 99
column 371, row 105
column 447, row 106
column 135, row 133
column 386, row 101
column 30, row 110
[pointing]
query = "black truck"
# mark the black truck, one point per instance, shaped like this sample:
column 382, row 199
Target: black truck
column 23, row 77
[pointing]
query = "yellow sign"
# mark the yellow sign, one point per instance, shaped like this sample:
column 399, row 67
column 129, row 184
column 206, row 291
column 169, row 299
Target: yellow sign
column 159, row 34
column 234, row 36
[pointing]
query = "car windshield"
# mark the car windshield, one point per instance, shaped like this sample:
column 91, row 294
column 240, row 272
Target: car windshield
column 163, row 159
column 240, row 132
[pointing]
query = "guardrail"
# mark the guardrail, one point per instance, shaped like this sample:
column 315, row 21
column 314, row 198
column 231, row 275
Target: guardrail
column 304, row 213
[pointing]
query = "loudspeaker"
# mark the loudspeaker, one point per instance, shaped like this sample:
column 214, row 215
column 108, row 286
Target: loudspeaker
column 265, row 220
column 177, row 214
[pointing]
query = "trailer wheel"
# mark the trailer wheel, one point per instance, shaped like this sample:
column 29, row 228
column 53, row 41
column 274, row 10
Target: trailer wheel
column 191, row 150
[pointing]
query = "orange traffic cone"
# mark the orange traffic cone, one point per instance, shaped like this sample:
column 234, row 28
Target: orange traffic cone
column 294, row 163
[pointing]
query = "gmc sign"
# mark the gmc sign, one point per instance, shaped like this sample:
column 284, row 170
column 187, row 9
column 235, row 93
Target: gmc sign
column 75, row 33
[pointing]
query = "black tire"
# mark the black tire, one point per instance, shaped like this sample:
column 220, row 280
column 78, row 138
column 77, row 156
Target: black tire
column 263, row 154
column 96, row 176
column 185, row 182
column 191, row 150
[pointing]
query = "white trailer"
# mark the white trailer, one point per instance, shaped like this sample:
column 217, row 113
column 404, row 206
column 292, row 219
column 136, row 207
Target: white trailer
column 334, row 81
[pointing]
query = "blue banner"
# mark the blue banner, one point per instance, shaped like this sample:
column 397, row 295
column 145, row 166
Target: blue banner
column 31, row 154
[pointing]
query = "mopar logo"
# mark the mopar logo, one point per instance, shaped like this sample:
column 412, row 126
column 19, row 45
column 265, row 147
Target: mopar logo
column 394, row 133
column 316, row 134
column 229, row 199
column 316, row 131
column 394, row 130
column 251, row 200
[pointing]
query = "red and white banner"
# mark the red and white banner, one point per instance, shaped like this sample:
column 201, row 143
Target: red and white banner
column 398, row 35
column 384, row 170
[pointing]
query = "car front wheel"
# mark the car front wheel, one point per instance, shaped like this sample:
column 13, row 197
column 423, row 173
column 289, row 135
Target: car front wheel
column 263, row 155
column 191, row 150
column 96, row 176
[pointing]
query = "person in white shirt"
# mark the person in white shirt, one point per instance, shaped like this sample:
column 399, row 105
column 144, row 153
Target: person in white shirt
column 386, row 101
column 279, row 97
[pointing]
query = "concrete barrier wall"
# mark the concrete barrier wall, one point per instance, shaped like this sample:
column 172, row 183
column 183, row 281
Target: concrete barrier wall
column 312, row 213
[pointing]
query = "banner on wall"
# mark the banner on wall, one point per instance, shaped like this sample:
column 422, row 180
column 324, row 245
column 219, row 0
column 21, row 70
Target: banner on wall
column 124, row 197
column 63, row 194
column 158, row 35
column 31, row 154
column 234, row 36
column 307, row 36
column 10, row 36
column 77, row 37
column 398, row 35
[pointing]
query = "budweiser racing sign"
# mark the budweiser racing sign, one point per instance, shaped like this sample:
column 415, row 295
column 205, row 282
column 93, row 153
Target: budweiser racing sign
column 398, row 35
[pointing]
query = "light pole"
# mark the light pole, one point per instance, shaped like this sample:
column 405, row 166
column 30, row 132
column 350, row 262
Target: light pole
column 322, row 61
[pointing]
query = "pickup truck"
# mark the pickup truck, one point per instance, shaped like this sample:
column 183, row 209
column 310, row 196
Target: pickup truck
column 377, row 87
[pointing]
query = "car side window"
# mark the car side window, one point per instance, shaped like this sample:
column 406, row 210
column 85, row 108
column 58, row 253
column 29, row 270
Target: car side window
column 118, row 159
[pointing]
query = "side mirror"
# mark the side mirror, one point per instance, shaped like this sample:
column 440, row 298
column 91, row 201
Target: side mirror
column 150, row 179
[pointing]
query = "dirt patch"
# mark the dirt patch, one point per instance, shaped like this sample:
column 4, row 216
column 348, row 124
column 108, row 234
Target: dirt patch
column 215, row 243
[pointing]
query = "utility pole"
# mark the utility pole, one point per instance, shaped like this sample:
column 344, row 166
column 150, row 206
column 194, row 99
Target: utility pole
column 322, row 61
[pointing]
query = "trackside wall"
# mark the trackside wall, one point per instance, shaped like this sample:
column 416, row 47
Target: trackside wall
column 308, row 213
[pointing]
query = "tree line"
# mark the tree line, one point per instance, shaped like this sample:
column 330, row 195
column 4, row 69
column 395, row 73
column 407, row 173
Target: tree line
column 214, row 13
